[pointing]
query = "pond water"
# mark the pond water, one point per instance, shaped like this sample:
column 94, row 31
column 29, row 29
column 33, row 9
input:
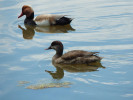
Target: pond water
column 105, row 26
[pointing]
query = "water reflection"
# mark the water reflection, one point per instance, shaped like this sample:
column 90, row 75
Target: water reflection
column 29, row 31
column 73, row 68
column 55, row 29
column 58, row 74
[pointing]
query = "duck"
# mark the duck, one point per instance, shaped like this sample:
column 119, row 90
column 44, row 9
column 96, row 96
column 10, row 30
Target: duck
column 43, row 19
column 72, row 57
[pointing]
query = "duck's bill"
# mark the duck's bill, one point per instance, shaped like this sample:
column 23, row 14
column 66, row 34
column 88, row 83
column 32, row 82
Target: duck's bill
column 48, row 48
column 20, row 15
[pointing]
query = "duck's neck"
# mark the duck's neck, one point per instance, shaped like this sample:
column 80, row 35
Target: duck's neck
column 58, row 54
column 31, row 16
column 29, row 20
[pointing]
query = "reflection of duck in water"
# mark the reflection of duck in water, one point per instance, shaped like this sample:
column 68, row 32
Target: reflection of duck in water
column 72, row 57
column 29, row 32
column 73, row 68
column 54, row 29
column 59, row 74
column 80, row 67
column 43, row 20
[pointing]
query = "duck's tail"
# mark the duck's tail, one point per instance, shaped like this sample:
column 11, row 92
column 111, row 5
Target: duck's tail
column 64, row 21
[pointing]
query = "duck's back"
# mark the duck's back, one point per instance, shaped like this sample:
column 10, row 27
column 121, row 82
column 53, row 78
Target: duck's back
column 78, row 57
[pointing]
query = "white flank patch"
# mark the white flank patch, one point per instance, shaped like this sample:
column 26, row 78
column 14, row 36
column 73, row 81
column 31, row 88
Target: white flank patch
column 43, row 23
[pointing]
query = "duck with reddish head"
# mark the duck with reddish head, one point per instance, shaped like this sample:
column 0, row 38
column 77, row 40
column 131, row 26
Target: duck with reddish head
column 44, row 19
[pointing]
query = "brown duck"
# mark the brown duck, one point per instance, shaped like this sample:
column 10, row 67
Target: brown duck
column 72, row 57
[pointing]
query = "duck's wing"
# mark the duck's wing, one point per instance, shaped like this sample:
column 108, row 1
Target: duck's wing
column 77, row 53
column 53, row 19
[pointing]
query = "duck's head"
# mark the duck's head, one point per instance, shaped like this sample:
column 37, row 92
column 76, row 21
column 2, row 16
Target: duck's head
column 57, row 46
column 26, row 10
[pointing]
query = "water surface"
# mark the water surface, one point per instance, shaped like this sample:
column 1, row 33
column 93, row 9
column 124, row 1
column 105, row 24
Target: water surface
column 99, row 25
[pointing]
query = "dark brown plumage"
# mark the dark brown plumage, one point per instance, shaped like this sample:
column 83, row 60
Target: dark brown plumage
column 77, row 53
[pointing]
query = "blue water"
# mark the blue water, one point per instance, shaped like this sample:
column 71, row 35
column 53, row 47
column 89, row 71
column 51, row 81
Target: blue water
column 104, row 26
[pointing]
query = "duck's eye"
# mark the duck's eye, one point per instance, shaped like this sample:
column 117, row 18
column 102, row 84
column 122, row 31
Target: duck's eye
column 52, row 44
